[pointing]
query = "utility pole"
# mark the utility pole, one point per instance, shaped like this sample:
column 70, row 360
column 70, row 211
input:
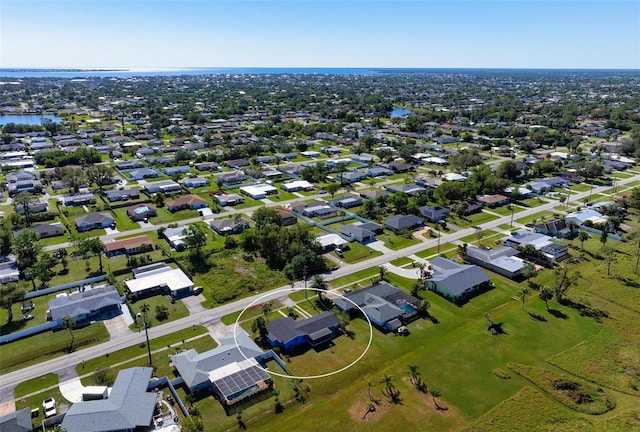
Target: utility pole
column 638, row 254
column 512, row 210
column 304, row 275
column 146, row 332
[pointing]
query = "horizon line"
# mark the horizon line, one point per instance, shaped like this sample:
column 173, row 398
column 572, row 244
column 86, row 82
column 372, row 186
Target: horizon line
column 168, row 68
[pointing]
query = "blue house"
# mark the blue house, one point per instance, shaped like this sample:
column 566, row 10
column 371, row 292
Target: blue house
column 195, row 182
column 176, row 170
column 93, row 221
column 385, row 305
column 288, row 334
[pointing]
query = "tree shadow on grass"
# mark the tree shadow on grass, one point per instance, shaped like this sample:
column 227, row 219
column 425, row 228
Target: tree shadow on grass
column 537, row 317
column 557, row 314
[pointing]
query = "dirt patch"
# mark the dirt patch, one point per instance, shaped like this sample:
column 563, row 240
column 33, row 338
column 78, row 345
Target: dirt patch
column 357, row 410
column 244, row 270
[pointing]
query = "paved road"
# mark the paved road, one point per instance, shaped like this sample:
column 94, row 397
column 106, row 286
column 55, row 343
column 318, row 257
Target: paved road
column 57, row 365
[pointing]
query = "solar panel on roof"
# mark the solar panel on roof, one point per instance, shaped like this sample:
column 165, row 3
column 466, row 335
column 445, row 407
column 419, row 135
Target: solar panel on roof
column 241, row 380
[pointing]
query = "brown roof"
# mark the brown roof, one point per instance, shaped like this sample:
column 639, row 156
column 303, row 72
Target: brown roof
column 186, row 200
column 128, row 243
column 490, row 199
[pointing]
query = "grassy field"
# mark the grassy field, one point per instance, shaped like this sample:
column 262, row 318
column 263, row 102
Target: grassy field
column 474, row 219
column 45, row 346
column 357, row 253
column 176, row 310
column 458, row 356
column 504, row 210
column 395, row 242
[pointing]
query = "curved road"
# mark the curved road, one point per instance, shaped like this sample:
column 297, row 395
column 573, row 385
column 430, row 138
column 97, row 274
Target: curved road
column 56, row 365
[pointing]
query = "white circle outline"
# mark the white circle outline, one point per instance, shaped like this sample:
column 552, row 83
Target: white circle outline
column 271, row 293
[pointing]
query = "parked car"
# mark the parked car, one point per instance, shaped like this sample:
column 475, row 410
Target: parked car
column 49, row 407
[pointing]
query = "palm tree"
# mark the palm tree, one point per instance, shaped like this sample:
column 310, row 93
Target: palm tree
column 583, row 236
column 69, row 322
column 545, row 294
column 266, row 311
column 371, row 398
column 421, row 270
column 524, row 292
column 9, row 294
column 434, row 394
column 390, row 390
column 384, row 273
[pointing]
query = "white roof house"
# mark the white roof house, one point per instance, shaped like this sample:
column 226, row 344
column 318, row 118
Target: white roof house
column 163, row 278
column 259, row 191
column 297, row 185
column 328, row 241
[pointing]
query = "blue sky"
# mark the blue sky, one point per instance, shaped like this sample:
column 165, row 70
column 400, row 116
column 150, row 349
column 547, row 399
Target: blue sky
column 327, row 33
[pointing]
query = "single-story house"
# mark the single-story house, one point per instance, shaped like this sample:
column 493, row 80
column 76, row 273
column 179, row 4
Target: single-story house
column 192, row 202
column 159, row 278
column 401, row 222
column 86, row 305
column 45, row 230
column 552, row 251
column 129, row 246
column 175, row 237
column 165, row 187
column 555, row 228
column 207, row 166
column 379, row 172
column 122, row 195
column 170, row 171
column 17, row 421
column 355, row 232
column 94, row 221
column 434, row 213
column 351, row 177
column 410, row 189
column 9, row 272
column 521, row 190
column 234, row 178
column 579, row 218
column 472, row 207
column 314, row 209
column 502, row 260
column 236, row 163
column 386, row 306
column 494, row 200
column 297, row 185
column 288, row 218
column 37, row 206
column 259, row 191
column 231, row 371
column 400, row 167
column 329, row 242
column 78, row 199
column 373, row 194
column 129, row 406
column 129, row 165
column 346, row 201
column 229, row 199
column 455, row 281
column 140, row 212
column 143, row 173
column 229, row 225
column 195, row 182
column 287, row 333
column 362, row 158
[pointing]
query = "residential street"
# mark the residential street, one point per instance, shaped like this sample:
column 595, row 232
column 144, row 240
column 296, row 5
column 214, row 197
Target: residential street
column 57, row 365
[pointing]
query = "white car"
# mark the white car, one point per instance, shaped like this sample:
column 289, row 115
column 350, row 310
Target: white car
column 49, row 407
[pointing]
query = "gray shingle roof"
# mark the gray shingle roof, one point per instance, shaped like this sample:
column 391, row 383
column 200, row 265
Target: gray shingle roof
column 17, row 421
column 457, row 278
column 128, row 406
column 84, row 302
column 194, row 368
column 93, row 218
column 378, row 301
column 285, row 329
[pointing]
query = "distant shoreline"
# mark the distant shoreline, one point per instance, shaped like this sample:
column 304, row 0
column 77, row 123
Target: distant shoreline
column 80, row 73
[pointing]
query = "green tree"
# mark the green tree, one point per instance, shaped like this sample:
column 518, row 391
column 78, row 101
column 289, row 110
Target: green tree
column 43, row 269
column 528, row 271
column 634, row 198
column 27, row 248
column 523, row 293
column 10, row 293
column 545, row 294
column 604, row 236
column 100, row 175
column 195, row 237
column 609, row 255
column 259, row 327
column 93, row 246
column 23, row 201
column 332, row 188
column 508, row 170
column 583, row 237
column 383, row 273
column 74, row 178
column 390, row 390
column 562, row 281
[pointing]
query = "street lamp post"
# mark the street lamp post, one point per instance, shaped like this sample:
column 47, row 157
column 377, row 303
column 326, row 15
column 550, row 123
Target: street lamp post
column 146, row 332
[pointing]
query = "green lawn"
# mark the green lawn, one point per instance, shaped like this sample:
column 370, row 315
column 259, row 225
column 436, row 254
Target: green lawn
column 35, row 384
column 176, row 310
column 165, row 216
column 395, row 241
column 123, row 221
column 282, row 196
column 45, row 346
column 536, row 217
column 474, row 219
column 532, row 202
column 356, row 253
column 354, row 277
column 504, row 211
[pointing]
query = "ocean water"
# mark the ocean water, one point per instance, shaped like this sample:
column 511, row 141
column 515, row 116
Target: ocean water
column 147, row 72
